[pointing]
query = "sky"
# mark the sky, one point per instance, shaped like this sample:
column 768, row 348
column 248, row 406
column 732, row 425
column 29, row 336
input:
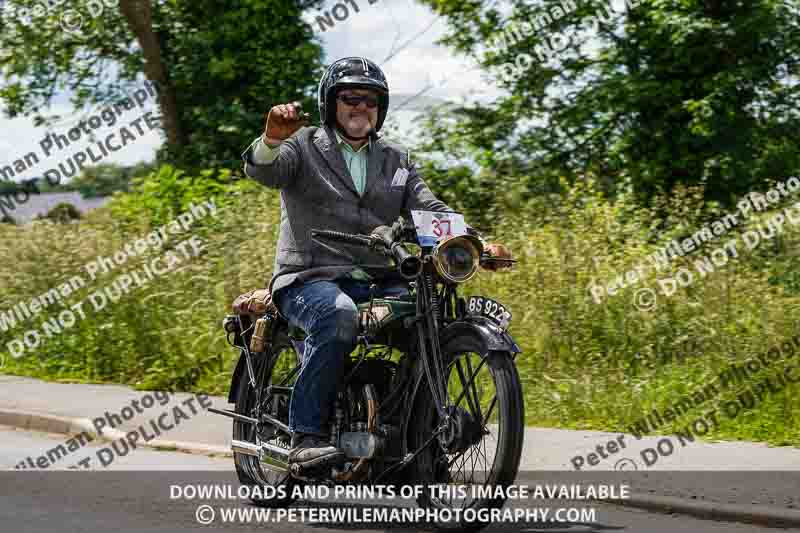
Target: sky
column 399, row 35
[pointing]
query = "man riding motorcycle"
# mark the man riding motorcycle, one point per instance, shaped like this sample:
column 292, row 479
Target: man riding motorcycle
column 343, row 177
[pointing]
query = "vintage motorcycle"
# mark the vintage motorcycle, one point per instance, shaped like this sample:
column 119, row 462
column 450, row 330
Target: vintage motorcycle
column 431, row 395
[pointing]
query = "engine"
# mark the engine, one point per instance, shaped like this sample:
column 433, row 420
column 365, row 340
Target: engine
column 367, row 419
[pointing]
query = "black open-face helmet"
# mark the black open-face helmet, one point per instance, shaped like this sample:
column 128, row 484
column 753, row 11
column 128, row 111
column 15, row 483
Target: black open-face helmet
column 353, row 73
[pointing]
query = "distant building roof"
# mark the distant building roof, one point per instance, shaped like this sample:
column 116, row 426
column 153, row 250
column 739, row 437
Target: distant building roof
column 41, row 204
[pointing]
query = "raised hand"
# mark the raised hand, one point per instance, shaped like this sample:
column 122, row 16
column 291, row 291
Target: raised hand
column 283, row 121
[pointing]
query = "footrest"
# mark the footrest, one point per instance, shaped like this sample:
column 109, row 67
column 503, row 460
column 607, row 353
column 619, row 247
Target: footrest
column 277, row 390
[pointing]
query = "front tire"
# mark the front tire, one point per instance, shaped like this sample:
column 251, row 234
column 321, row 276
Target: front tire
column 496, row 395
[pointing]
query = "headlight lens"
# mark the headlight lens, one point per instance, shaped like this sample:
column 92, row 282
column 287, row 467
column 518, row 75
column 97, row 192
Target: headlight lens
column 457, row 259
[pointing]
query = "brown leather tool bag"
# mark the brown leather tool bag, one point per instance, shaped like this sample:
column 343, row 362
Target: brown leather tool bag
column 257, row 302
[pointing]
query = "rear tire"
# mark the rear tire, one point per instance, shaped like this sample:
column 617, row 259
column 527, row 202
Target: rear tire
column 249, row 468
column 505, row 423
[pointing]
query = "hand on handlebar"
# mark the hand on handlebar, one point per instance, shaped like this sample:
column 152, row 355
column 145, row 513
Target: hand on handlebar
column 499, row 257
column 384, row 234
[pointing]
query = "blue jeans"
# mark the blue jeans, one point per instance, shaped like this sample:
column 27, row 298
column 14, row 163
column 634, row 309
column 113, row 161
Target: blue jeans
column 326, row 311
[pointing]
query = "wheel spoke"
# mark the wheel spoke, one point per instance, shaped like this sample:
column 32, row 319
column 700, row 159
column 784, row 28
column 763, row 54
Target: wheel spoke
column 476, row 399
column 471, row 380
column 470, row 397
column 485, row 421
column 485, row 456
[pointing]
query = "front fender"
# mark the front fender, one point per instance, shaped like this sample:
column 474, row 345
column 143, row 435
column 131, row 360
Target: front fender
column 486, row 332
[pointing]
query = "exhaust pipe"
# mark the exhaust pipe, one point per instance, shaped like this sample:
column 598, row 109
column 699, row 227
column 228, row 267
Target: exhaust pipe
column 245, row 448
column 272, row 457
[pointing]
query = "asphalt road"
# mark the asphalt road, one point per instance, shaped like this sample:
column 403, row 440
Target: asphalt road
column 137, row 493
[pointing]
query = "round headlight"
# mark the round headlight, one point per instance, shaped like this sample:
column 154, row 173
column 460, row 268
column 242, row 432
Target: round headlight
column 457, row 259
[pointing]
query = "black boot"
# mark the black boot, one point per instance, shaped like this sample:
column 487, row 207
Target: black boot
column 310, row 450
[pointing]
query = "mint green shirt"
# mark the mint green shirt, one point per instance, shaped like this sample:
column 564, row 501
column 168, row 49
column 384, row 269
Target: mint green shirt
column 356, row 162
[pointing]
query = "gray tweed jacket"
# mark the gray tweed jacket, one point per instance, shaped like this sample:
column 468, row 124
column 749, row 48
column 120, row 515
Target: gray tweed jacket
column 317, row 192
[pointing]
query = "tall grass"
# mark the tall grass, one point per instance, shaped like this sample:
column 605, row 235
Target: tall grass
column 584, row 365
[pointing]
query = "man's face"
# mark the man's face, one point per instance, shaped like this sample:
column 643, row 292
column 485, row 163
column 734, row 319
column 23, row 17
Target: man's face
column 356, row 120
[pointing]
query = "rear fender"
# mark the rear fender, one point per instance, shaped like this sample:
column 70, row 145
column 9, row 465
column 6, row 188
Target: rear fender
column 238, row 373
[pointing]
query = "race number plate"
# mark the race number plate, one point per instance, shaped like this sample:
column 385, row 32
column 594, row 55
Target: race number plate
column 433, row 226
column 496, row 312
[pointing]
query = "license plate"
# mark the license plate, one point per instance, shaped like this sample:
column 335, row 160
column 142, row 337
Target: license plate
column 496, row 312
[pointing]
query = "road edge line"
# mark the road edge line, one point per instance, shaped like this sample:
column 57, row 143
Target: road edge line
column 763, row 515
column 36, row 421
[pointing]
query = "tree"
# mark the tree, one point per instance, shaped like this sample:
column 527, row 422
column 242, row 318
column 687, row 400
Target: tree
column 217, row 66
column 106, row 179
column 664, row 92
column 62, row 213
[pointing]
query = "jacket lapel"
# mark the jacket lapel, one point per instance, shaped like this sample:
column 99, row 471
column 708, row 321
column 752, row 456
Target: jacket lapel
column 326, row 142
column 374, row 166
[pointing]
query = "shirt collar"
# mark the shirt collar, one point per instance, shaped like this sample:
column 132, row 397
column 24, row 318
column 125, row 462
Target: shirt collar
column 341, row 142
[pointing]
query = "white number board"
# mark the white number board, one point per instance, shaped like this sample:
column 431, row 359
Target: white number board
column 433, row 226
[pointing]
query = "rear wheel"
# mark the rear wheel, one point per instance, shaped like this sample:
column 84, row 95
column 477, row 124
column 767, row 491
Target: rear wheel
column 279, row 367
column 482, row 445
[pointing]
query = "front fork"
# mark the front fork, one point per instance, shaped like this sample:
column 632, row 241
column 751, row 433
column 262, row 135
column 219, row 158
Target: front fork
column 428, row 314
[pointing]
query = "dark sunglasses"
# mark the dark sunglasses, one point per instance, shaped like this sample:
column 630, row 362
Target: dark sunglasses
column 355, row 100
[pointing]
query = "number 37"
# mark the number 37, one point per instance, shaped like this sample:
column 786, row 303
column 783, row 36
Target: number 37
column 438, row 226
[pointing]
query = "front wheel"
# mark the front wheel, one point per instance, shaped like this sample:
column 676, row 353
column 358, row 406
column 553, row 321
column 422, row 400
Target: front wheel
column 481, row 447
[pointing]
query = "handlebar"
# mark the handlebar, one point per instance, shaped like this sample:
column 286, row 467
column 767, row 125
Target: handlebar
column 362, row 240
column 409, row 264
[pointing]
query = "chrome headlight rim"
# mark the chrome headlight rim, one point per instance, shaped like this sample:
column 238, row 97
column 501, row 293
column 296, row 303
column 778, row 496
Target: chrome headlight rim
column 469, row 242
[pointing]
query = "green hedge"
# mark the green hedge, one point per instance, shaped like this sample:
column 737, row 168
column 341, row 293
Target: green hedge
column 585, row 365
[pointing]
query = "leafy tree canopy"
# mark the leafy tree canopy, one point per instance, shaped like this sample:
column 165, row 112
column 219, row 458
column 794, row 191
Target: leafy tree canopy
column 218, row 65
column 660, row 93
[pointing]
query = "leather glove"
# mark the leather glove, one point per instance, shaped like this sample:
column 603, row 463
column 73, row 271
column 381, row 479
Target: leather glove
column 499, row 251
column 283, row 121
